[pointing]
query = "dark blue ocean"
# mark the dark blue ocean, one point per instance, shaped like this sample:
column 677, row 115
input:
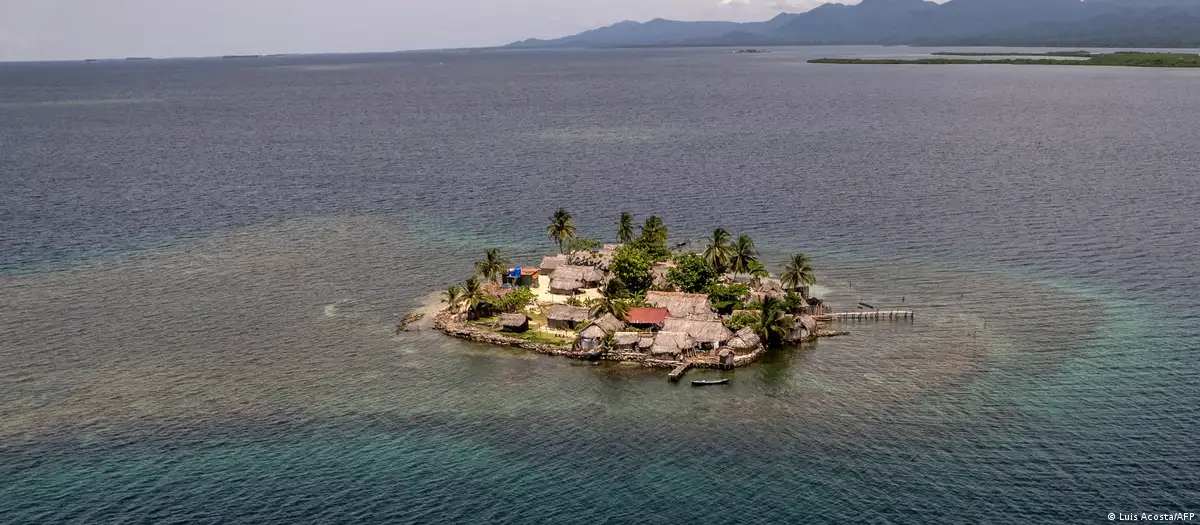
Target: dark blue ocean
column 202, row 260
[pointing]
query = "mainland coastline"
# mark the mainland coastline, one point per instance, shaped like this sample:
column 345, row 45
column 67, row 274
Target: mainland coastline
column 638, row 300
column 1053, row 58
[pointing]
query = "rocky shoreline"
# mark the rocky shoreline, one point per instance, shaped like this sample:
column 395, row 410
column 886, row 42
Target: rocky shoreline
column 444, row 321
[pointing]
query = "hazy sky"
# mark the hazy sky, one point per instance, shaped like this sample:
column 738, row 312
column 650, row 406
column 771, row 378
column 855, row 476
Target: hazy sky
column 74, row 29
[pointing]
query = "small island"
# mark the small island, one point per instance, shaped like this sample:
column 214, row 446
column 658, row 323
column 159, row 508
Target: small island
column 751, row 51
column 1123, row 58
column 640, row 300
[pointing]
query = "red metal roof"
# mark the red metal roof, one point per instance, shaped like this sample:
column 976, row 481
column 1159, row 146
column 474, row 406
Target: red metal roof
column 647, row 315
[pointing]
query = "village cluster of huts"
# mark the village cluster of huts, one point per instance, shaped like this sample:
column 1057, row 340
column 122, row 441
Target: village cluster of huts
column 675, row 326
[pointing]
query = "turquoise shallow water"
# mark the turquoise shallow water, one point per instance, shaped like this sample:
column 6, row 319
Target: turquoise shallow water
column 198, row 292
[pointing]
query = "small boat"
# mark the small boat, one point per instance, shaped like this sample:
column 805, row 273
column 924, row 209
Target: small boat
column 706, row 382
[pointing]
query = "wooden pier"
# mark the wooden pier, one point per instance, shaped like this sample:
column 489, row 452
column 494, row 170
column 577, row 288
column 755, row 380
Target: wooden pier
column 871, row 315
column 678, row 372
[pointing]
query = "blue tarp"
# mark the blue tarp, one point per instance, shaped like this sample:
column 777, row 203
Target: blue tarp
column 515, row 272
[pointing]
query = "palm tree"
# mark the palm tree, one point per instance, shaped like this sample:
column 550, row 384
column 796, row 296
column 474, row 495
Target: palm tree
column 772, row 325
column 472, row 294
column 625, row 227
column 798, row 272
column 719, row 250
column 743, row 255
column 453, row 296
column 492, row 266
column 561, row 229
column 608, row 305
column 655, row 231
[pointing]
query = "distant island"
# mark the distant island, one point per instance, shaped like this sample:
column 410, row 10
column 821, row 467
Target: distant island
column 640, row 300
column 1126, row 59
column 751, row 51
column 1009, row 23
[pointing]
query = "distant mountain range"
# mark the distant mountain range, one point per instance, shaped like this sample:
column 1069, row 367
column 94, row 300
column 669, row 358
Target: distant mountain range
column 1092, row 23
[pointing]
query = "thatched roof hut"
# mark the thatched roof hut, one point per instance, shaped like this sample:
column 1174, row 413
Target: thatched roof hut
column 562, row 316
column 591, row 338
column 699, row 331
column 626, row 340
column 609, row 323
column 805, row 327
column 592, row 332
column 671, row 344
column 725, row 357
column 551, row 263
column 564, row 286
column 587, row 275
column 772, row 288
column 683, row 305
column 645, row 343
column 514, row 322
column 744, row 340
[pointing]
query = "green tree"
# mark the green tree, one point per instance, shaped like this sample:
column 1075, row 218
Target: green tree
column 793, row 303
column 692, row 273
column 619, row 308
column 516, row 300
column 654, row 232
column 561, row 228
column 584, row 244
column 758, row 272
column 772, row 325
column 473, row 295
column 744, row 255
column 719, row 250
column 798, row 272
column 741, row 320
column 633, row 266
column 492, row 267
column 453, row 297
column 625, row 227
column 726, row 298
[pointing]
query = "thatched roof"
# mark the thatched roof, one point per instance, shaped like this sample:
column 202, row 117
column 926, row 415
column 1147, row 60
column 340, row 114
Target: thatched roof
column 552, row 262
column 703, row 331
column 583, row 258
column 771, row 286
column 583, row 274
column 626, row 338
column 659, row 273
column 753, row 313
column 744, row 339
column 805, row 327
column 609, row 323
column 671, row 343
column 683, row 305
column 565, row 285
column 646, row 342
column 496, row 290
column 592, row 332
column 513, row 320
column 562, row 312
column 725, row 352
column 808, row 322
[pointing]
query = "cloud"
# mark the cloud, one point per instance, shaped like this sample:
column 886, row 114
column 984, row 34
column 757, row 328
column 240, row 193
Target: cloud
column 734, row 3
column 795, row 7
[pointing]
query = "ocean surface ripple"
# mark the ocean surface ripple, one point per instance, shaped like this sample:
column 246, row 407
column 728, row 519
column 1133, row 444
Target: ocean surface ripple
column 202, row 260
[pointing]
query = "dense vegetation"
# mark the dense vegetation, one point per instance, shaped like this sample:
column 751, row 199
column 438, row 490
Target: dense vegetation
column 1046, row 54
column 1126, row 59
